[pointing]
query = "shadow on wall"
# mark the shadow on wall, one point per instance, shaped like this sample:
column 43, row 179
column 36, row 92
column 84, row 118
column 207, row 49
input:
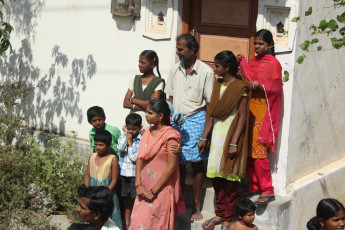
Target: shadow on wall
column 23, row 14
column 124, row 23
column 57, row 93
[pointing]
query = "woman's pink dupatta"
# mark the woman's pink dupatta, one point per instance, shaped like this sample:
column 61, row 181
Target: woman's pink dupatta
column 148, row 150
column 268, row 72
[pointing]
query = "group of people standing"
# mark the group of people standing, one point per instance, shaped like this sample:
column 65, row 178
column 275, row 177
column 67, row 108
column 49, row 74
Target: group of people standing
column 231, row 119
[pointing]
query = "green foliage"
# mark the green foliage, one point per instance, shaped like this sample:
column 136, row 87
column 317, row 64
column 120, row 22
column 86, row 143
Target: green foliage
column 341, row 18
column 323, row 25
column 57, row 171
column 13, row 97
column 305, row 45
column 309, row 11
column 50, row 167
column 295, row 19
column 301, row 58
column 330, row 28
column 342, row 31
column 337, row 42
column 286, row 76
column 333, row 25
column 27, row 161
column 315, row 40
column 5, row 31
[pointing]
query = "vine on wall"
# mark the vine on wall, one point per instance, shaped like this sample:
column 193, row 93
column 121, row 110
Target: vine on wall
column 334, row 29
column 5, row 31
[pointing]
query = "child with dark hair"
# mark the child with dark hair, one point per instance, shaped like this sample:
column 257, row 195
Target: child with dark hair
column 95, row 207
column 96, row 118
column 129, row 146
column 245, row 212
column 103, row 170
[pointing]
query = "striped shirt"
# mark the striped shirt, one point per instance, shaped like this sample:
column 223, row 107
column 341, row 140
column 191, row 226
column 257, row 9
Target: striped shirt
column 128, row 155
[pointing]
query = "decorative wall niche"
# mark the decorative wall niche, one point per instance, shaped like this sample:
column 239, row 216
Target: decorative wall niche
column 277, row 19
column 158, row 19
column 278, row 22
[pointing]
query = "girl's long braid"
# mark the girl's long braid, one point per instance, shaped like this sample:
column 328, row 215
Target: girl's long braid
column 159, row 74
column 272, row 52
column 157, row 66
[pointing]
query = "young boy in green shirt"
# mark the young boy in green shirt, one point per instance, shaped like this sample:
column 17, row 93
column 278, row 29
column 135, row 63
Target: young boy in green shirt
column 96, row 118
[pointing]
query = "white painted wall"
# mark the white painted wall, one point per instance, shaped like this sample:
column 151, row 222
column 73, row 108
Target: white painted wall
column 82, row 29
column 317, row 115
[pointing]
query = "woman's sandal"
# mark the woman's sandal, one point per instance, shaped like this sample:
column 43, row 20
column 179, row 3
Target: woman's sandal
column 269, row 199
column 211, row 221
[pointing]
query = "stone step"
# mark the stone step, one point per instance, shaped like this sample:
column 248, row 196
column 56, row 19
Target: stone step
column 271, row 216
column 183, row 222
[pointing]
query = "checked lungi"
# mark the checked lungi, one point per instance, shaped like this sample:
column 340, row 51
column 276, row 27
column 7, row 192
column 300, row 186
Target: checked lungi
column 191, row 132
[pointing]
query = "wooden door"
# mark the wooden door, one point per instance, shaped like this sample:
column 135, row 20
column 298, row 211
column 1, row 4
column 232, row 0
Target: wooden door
column 221, row 25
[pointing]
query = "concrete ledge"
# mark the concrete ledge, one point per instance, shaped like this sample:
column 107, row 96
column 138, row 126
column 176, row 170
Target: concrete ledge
column 327, row 182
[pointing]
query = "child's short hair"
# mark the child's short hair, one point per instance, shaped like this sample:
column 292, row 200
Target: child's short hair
column 95, row 111
column 244, row 206
column 133, row 119
column 101, row 200
column 104, row 136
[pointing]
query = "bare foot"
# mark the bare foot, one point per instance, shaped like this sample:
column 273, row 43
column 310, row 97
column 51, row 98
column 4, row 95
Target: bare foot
column 196, row 213
column 196, row 216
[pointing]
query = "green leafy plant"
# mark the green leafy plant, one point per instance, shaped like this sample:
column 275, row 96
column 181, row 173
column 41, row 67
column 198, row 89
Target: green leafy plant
column 5, row 31
column 286, row 76
column 50, row 166
column 58, row 171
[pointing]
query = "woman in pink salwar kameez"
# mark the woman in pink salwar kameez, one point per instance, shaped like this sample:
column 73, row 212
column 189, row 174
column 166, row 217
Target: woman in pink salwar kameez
column 157, row 175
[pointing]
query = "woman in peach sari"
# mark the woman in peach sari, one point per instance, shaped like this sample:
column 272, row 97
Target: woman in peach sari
column 157, row 175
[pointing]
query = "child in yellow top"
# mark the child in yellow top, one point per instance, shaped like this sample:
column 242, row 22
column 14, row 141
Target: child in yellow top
column 103, row 170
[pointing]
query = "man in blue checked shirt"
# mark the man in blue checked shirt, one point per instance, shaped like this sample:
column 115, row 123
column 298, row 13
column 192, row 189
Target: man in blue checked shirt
column 128, row 145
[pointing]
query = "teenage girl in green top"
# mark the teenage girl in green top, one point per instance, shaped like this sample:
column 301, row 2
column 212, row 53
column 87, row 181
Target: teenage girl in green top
column 145, row 87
